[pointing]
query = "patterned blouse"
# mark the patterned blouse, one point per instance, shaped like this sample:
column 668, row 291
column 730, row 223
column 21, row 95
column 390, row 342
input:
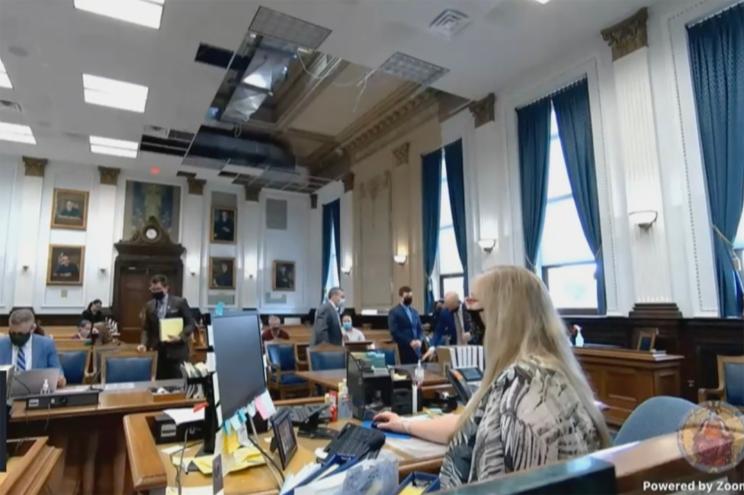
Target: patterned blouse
column 530, row 416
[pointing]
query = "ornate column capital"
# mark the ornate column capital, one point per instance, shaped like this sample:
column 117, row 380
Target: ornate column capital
column 109, row 175
column 196, row 186
column 483, row 110
column 627, row 36
column 348, row 181
column 34, row 167
column 401, row 154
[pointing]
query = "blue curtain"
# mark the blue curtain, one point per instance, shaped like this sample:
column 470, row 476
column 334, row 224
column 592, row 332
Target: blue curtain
column 575, row 130
column 431, row 189
column 331, row 222
column 717, row 60
column 534, row 143
column 453, row 158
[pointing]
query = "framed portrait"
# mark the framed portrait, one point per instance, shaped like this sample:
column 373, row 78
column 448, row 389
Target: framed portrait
column 222, row 273
column 144, row 200
column 69, row 209
column 223, row 225
column 65, row 265
column 283, row 276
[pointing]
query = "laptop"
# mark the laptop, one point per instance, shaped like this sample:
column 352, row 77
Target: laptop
column 30, row 382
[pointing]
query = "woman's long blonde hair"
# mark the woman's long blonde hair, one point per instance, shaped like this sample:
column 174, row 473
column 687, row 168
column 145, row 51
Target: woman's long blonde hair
column 521, row 322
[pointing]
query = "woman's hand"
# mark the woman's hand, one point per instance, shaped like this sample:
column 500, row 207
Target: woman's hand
column 389, row 421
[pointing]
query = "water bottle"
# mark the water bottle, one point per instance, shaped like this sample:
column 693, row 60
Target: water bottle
column 579, row 337
column 344, row 401
column 419, row 374
column 46, row 389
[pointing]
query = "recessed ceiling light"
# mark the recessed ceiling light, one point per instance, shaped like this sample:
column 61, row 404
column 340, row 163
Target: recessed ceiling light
column 143, row 12
column 275, row 24
column 542, row 1
column 115, row 147
column 16, row 132
column 116, row 94
column 4, row 79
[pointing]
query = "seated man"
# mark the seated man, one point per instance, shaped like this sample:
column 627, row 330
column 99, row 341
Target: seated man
column 274, row 330
column 25, row 350
column 349, row 333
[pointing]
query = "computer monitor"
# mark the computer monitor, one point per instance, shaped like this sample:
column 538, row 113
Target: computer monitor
column 239, row 360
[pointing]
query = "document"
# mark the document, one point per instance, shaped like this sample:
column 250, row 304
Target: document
column 185, row 415
column 170, row 327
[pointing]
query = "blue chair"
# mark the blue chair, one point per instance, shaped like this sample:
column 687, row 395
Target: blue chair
column 655, row 416
column 730, row 382
column 122, row 367
column 326, row 357
column 283, row 379
column 390, row 351
column 74, row 365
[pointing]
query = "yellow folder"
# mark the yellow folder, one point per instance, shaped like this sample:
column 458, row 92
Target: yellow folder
column 170, row 327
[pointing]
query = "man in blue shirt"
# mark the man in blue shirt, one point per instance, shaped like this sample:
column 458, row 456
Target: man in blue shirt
column 405, row 327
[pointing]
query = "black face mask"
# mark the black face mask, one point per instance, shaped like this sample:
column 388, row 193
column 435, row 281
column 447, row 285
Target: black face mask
column 19, row 339
column 408, row 300
column 158, row 295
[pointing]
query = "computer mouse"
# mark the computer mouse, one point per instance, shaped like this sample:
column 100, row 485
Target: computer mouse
column 374, row 425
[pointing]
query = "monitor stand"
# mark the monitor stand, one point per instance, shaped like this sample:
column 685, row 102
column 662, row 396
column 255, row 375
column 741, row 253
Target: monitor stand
column 311, row 428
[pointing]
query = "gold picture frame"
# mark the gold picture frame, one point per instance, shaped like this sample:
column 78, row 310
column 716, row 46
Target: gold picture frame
column 69, row 271
column 69, row 209
column 283, row 275
column 225, row 279
column 223, row 230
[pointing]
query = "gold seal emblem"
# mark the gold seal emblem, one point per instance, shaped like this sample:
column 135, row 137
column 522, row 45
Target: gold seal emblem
column 711, row 437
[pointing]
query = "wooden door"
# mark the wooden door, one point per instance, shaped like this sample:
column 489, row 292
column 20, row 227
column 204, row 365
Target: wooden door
column 133, row 291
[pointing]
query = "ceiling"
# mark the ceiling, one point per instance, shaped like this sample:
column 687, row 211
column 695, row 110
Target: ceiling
column 47, row 44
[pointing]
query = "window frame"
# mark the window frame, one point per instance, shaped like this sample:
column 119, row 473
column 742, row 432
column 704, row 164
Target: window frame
column 442, row 278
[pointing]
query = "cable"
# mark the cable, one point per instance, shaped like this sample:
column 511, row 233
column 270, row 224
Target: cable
column 263, row 453
column 180, row 462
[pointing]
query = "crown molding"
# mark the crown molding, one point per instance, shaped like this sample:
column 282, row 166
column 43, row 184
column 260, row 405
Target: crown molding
column 628, row 35
column 34, row 167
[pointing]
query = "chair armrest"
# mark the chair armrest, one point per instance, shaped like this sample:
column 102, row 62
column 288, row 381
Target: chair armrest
column 703, row 393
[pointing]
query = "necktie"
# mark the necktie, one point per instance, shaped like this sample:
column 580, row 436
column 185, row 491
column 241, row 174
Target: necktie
column 21, row 360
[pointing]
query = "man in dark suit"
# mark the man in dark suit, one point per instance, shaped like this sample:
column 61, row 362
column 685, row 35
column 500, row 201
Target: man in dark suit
column 454, row 326
column 163, row 305
column 327, row 326
column 405, row 327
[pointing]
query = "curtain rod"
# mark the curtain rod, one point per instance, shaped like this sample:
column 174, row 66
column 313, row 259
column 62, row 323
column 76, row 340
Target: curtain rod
column 581, row 79
column 715, row 14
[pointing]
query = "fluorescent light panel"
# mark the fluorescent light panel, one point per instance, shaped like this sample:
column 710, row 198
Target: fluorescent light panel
column 107, row 92
column 146, row 13
column 542, row 1
column 16, row 132
column 4, row 79
column 115, row 147
column 412, row 69
column 277, row 25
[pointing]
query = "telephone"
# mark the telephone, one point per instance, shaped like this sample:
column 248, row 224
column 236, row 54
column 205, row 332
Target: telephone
column 465, row 381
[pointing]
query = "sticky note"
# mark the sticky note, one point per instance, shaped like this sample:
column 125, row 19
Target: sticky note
column 251, row 409
column 243, row 435
column 219, row 442
column 265, row 405
column 261, row 408
column 235, row 422
column 231, row 442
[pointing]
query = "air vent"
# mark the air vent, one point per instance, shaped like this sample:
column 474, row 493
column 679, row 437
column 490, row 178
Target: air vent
column 157, row 139
column 10, row 106
column 276, row 214
column 449, row 23
column 412, row 69
column 182, row 173
column 274, row 24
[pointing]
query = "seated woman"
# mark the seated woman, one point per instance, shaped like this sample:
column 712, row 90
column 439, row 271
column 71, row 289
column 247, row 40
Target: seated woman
column 84, row 330
column 94, row 313
column 534, row 405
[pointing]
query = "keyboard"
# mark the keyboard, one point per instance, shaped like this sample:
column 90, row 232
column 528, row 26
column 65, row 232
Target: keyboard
column 356, row 441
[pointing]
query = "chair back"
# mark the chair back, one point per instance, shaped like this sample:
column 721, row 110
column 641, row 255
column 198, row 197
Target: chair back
column 326, row 357
column 656, row 416
column 74, row 364
column 392, row 358
column 282, row 355
column 361, row 346
column 464, row 356
column 731, row 379
column 123, row 367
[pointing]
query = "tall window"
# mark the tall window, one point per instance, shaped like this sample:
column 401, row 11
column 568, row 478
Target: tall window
column 449, row 267
column 567, row 262
column 333, row 279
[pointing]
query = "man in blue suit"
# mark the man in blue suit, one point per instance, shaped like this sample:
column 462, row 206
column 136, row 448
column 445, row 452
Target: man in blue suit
column 405, row 327
column 25, row 350
column 453, row 326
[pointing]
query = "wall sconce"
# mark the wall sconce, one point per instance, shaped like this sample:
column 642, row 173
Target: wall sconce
column 487, row 245
column 193, row 273
column 251, row 276
column 24, row 268
column 643, row 218
column 346, row 270
column 400, row 259
column 102, row 270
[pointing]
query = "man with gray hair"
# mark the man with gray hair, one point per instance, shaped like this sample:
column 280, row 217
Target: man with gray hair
column 274, row 330
column 25, row 350
column 327, row 326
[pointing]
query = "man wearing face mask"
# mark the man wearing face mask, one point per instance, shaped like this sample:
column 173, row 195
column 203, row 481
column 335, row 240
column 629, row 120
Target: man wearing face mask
column 327, row 326
column 164, row 305
column 405, row 327
column 25, row 350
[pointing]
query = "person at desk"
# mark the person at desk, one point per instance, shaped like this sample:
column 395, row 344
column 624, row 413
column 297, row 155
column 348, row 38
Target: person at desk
column 350, row 334
column 534, row 405
column 327, row 326
column 405, row 328
column 274, row 330
column 163, row 305
column 25, row 350
column 94, row 313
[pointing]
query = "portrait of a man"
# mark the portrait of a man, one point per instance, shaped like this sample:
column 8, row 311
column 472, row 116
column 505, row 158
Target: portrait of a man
column 222, row 273
column 65, row 265
column 283, row 278
column 69, row 209
column 223, row 225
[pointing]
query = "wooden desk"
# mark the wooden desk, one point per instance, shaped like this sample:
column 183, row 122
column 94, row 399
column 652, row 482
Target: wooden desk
column 623, row 378
column 329, row 379
column 92, row 437
column 151, row 469
column 33, row 467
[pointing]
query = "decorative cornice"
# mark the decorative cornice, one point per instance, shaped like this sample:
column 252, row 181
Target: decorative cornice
column 627, row 36
column 109, row 176
column 196, row 186
column 34, row 167
column 401, row 154
column 348, row 181
column 483, row 110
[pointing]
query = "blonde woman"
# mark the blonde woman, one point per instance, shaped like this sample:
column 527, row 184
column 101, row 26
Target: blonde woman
column 534, row 406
